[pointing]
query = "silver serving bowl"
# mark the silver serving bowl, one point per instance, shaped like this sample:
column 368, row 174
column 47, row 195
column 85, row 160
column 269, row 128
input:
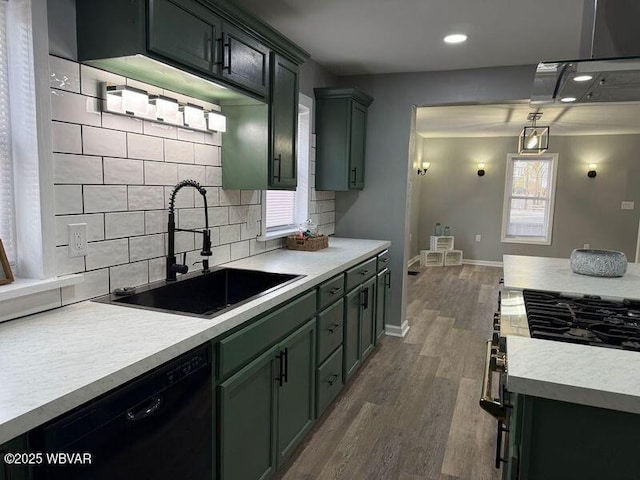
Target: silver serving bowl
column 598, row 263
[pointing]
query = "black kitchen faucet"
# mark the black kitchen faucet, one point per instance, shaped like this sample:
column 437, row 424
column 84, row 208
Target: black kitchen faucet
column 172, row 266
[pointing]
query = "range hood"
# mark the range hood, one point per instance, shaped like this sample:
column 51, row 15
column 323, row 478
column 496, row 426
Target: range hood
column 610, row 68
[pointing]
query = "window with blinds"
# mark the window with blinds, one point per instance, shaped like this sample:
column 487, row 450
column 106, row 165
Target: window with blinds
column 281, row 209
column 7, row 209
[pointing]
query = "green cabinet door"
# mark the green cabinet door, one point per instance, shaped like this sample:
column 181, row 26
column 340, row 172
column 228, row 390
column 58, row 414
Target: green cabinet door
column 351, row 343
column 296, row 396
column 367, row 317
column 184, row 31
column 341, row 125
column 245, row 61
column 247, row 420
column 284, row 124
column 357, row 145
column 13, row 472
column 383, row 292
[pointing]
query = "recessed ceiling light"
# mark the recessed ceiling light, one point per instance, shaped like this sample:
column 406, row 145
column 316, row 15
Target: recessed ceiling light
column 582, row 78
column 456, row 38
column 568, row 99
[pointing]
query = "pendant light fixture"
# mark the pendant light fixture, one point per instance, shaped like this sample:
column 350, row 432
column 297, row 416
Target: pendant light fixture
column 534, row 139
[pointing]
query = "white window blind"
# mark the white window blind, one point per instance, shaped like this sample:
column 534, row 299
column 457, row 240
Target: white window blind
column 281, row 208
column 7, row 208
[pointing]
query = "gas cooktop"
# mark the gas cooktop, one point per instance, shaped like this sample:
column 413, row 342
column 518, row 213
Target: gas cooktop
column 587, row 320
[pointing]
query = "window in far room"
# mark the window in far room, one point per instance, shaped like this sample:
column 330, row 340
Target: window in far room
column 529, row 194
column 284, row 210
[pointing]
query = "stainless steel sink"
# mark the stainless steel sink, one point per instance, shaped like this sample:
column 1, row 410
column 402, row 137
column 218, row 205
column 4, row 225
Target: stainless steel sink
column 204, row 294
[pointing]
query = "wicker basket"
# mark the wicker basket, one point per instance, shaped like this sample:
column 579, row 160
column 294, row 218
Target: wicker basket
column 310, row 244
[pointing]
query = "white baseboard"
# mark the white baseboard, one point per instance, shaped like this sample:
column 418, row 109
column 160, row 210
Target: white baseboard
column 484, row 263
column 413, row 260
column 394, row 331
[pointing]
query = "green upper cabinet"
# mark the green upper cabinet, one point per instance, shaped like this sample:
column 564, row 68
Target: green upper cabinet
column 245, row 61
column 284, row 124
column 341, row 125
column 156, row 41
column 185, row 32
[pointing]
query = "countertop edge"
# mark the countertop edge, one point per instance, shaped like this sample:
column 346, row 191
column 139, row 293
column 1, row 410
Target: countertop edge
column 42, row 413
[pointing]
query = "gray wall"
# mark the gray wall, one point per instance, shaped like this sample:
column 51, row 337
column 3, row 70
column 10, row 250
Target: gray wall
column 380, row 210
column 586, row 210
column 313, row 75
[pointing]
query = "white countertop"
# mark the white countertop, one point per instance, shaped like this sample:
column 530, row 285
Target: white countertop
column 595, row 376
column 555, row 275
column 588, row 375
column 55, row 361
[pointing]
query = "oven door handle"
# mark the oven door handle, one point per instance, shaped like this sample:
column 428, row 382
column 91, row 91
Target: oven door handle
column 489, row 404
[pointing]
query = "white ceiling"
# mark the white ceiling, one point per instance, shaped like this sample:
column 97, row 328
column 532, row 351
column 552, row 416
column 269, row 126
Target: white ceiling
column 384, row 36
column 508, row 120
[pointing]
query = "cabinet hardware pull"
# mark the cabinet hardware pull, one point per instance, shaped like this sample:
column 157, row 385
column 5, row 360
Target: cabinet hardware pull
column 279, row 160
column 334, row 327
column 332, row 379
column 365, row 298
column 286, row 365
column 333, row 291
column 388, row 279
column 226, row 67
column 384, row 260
column 152, row 408
column 353, row 170
column 280, row 377
column 363, row 272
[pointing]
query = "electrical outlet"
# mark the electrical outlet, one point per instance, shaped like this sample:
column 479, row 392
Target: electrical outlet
column 77, row 239
column 587, row 245
column 627, row 205
column 478, row 238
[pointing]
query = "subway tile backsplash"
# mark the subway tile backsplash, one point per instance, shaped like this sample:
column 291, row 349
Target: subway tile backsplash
column 116, row 173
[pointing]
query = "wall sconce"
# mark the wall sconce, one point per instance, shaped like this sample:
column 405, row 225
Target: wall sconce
column 125, row 100
column 425, row 167
column 481, row 171
column 592, row 170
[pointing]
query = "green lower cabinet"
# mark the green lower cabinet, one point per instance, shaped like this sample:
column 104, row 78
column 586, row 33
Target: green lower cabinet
column 351, row 329
column 367, row 317
column 560, row 441
column 329, row 380
column 267, row 407
column 297, row 394
column 247, row 420
column 383, row 292
column 14, row 472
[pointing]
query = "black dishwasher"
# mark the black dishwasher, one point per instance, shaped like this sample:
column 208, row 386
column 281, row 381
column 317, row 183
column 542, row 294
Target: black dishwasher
column 159, row 426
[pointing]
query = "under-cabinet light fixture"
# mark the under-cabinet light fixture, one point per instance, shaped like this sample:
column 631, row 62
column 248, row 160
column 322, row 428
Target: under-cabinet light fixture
column 425, row 167
column 127, row 100
column 134, row 102
column 167, row 109
column 481, row 170
column 533, row 139
column 216, row 122
column 593, row 167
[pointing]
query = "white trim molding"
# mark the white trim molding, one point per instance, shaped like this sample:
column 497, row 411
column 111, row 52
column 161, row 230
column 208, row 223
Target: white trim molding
column 395, row 331
column 483, row 263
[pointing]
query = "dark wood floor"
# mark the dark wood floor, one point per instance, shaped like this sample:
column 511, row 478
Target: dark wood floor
column 412, row 412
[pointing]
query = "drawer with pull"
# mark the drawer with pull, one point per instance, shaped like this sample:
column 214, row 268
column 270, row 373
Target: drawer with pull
column 330, row 329
column 383, row 260
column 329, row 381
column 361, row 273
column 330, row 291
